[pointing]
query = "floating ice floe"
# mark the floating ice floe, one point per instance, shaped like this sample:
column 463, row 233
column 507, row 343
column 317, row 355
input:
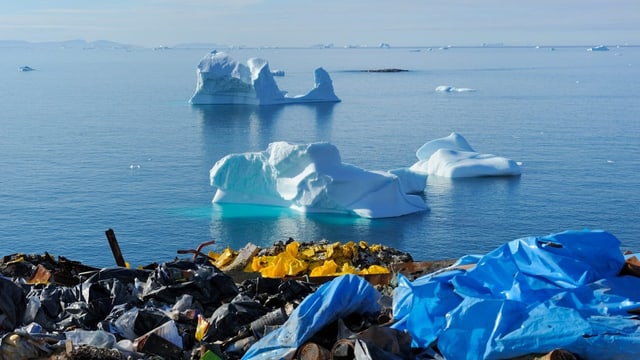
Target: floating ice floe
column 598, row 48
column 310, row 178
column 445, row 88
column 222, row 80
column 453, row 157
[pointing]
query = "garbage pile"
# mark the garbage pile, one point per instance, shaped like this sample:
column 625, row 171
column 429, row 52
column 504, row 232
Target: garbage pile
column 187, row 308
column 571, row 295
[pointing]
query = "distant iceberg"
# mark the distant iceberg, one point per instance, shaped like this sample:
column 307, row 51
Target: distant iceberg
column 598, row 48
column 310, row 178
column 445, row 88
column 222, row 80
column 453, row 157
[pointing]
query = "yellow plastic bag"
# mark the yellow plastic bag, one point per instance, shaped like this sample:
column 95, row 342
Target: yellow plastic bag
column 255, row 264
column 329, row 267
column 292, row 248
column 347, row 268
column 375, row 269
column 284, row 264
column 308, row 253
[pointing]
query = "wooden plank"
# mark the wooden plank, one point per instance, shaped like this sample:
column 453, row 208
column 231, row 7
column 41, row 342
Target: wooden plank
column 115, row 248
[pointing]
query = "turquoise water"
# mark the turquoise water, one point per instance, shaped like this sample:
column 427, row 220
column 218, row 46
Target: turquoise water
column 98, row 139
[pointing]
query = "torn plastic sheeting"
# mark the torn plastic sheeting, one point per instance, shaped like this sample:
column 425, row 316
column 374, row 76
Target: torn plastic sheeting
column 547, row 264
column 167, row 331
column 531, row 295
column 435, row 299
column 336, row 299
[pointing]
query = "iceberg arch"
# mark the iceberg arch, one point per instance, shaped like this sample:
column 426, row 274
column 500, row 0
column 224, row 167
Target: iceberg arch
column 222, row 80
column 310, row 178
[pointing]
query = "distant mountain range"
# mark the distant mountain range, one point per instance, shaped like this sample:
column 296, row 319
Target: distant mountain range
column 72, row 44
column 98, row 44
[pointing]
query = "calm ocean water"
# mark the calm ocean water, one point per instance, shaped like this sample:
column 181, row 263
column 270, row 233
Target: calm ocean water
column 98, row 139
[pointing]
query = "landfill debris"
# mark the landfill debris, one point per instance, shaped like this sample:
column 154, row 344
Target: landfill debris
column 220, row 306
column 184, row 308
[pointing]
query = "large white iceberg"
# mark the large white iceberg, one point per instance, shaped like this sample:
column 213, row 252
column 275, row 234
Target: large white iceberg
column 310, row 178
column 453, row 157
column 222, row 80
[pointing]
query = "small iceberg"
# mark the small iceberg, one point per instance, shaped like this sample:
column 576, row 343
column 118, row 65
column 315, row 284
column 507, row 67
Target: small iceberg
column 222, row 80
column 453, row 157
column 598, row 48
column 25, row 68
column 448, row 89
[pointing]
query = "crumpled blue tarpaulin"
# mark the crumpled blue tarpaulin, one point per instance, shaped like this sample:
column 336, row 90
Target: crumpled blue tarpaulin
column 531, row 295
column 336, row 299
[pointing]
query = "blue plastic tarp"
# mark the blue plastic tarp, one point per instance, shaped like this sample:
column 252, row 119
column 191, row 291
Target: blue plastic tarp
column 531, row 295
column 345, row 295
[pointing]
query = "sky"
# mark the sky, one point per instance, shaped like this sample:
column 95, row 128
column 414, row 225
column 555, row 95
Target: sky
column 306, row 23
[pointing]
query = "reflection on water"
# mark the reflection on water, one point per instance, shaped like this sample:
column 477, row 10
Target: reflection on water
column 240, row 128
column 233, row 225
column 438, row 185
column 281, row 224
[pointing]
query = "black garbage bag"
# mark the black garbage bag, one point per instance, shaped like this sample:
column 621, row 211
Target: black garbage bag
column 97, row 296
column 12, row 305
column 122, row 283
column 109, row 323
column 51, row 301
column 230, row 319
column 100, row 301
column 209, row 286
column 87, row 304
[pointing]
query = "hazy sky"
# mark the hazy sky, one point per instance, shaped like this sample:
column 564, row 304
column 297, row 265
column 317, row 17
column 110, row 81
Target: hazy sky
column 340, row 22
